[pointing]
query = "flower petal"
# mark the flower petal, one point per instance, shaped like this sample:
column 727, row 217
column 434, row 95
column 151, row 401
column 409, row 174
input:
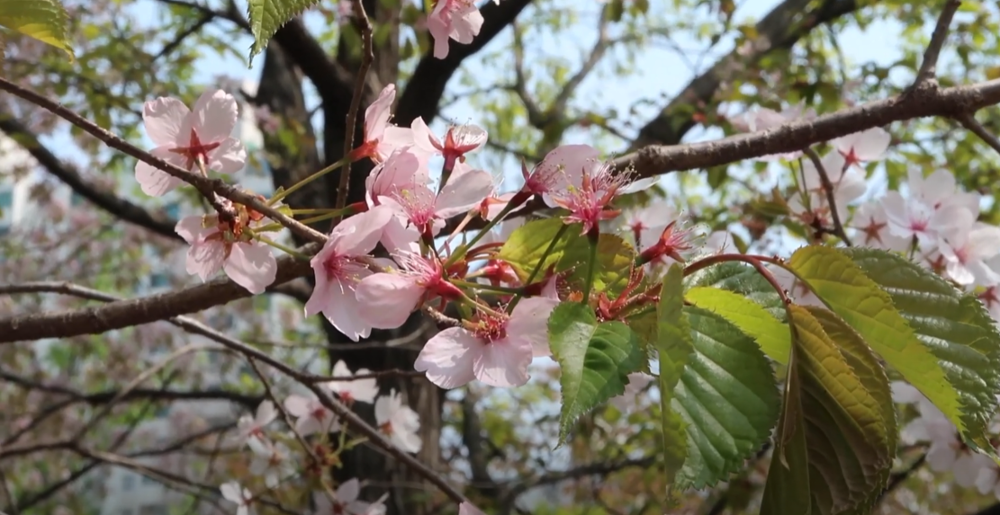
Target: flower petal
column 215, row 115
column 153, row 181
column 165, row 119
column 358, row 234
column 503, row 363
column 205, row 258
column 530, row 322
column 388, row 299
column 252, row 266
column 229, row 157
column 378, row 113
column 447, row 358
column 463, row 193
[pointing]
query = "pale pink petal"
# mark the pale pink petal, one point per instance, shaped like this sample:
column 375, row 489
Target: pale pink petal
column 423, row 138
column 987, row 479
column 467, row 508
column 447, row 358
column 320, row 298
column 966, row 469
column 348, row 491
column 463, row 193
column 378, row 113
column 231, row 492
column 358, row 234
column 229, row 157
column 872, row 144
column 215, row 115
column 153, row 181
column 308, row 425
column 637, row 186
column 395, row 138
column 297, row 406
column 503, row 363
column 388, row 299
column 343, row 310
column 252, row 266
column 530, row 322
column 205, row 258
column 439, row 31
column 164, row 120
column 466, row 24
column 941, row 456
column 905, row 393
column 192, row 228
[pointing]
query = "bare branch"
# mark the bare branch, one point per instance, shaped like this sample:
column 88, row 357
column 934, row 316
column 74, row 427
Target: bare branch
column 928, row 68
column 208, row 187
column 969, row 121
column 367, row 55
column 824, row 177
column 535, row 115
column 596, row 54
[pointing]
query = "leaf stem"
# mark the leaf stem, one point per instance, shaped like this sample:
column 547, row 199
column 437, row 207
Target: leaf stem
column 287, row 250
column 538, row 267
column 299, row 185
column 592, row 238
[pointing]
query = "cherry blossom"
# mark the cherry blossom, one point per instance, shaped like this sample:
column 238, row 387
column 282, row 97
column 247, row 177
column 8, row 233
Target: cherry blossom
column 966, row 251
column 637, row 382
column 872, row 224
column 910, row 218
column 590, row 204
column 458, row 141
column 254, row 426
column 762, row 119
column 398, row 422
column 381, row 137
column 403, row 168
column 338, row 271
column 848, row 185
column 427, row 211
column 234, row 492
column 561, row 168
column 190, row 139
column 467, row 508
column 864, row 146
column 939, row 191
column 453, row 19
column 387, row 299
column 312, row 416
column 271, row 460
column 227, row 245
column 647, row 223
column 350, row 390
column 346, row 501
column 495, row 349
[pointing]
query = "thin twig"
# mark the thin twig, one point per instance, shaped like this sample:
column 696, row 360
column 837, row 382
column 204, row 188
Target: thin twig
column 928, row 68
column 367, row 56
column 968, row 120
column 209, row 188
column 824, row 177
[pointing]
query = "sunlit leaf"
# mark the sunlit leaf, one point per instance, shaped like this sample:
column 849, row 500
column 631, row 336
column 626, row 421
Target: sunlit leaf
column 267, row 16
column 674, row 348
column 772, row 335
column 44, row 20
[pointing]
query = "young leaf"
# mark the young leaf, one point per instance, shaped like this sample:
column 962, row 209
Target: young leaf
column 44, row 20
column 788, row 483
column 674, row 348
column 267, row 16
column 742, row 279
column 846, row 428
column 858, row 300
column 955, row 326
column 727, row 398
column 595, row 359
column 772, row 335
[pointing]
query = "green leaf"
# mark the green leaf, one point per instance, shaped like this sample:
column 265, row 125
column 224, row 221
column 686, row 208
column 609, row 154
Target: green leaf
column 773, row 336
column 528, row 244
column 845, row 288
column 846, row 427
column 595, row 359
column 267, row 16
column 788, row 483
column 742, row 279
column 727, row 397
column 44, row 20
column 955, row 326
column 674, row 348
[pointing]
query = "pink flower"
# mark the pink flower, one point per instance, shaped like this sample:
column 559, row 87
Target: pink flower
column 467, row 508
column 216, row 244
column 966, row 251
column 346, row 501
column 561, row 168
column 403, row 169
column 234, row 492
column 273, row 461
column 254, row 427
column 427, row 211
column 190, row 139
column 387, row 299
column 458, row 141
column 848, row 185
column 381, row 137
column 398, row 422
column 338, row 271
column 350, row 390
column 872, row 225
column 495, row 349
column 864, row 146
column 765, row 119
column 312, row 416
column 590, row 203
column 456, row 19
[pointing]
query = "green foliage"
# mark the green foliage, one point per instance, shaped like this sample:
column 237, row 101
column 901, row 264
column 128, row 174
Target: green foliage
column 838, row 411
column 751, row 318
column 726, row 397
column 954, row 326
column 674, row 347
column 741, row 279
column 267, row 16
column 845, row 288
column 44, row 20
column 531, row 246
column 595, row 359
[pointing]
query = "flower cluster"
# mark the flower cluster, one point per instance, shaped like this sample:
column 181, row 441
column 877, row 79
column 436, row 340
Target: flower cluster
column 275, row 462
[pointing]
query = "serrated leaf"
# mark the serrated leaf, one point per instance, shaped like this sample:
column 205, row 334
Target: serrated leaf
column 727, row 397
column 527, row 245
column 955, row 326
column 267, row 16
column 846, row 428
column 594, row 358
column 44, row 20
column 674, row 347
column 773, row 336
column 859, row 301
column 742, row 279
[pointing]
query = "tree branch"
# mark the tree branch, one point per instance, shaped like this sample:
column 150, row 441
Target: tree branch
column 831, row 200
column 426, row 86
column 968, row 120
column 367, row 55
column 106, row 200
column 928, row 68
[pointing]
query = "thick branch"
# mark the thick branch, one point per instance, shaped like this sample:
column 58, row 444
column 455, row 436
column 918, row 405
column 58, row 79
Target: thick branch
column 928, row 68
column 106, row 200
column 426, row 86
